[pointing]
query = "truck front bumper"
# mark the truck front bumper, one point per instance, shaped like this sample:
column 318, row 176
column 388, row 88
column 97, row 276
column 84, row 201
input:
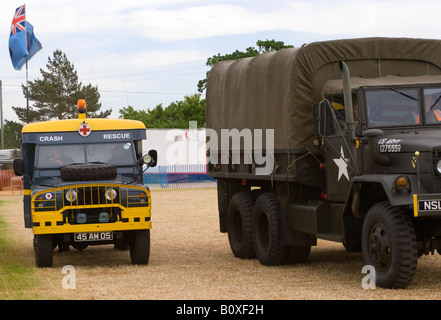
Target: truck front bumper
column 427, row 205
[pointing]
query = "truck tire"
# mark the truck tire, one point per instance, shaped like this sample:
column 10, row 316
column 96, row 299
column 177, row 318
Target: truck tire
column 43, row 249
column 389, row 244
column 265, row 231
column 140, row 247
column 239, row 225
column 88, row 172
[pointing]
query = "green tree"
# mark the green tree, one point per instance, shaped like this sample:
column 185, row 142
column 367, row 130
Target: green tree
column 176, row 115
column 263, row 46
column 271, row 45
column 12, row 134
column 148, row 117
column 56, row 95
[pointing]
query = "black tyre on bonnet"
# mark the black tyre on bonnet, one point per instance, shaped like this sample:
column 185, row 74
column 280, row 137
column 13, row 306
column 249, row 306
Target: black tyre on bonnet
column 88, row 172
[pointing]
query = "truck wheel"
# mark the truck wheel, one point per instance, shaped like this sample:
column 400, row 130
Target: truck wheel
column 140, row 247
column 239, row 225
column 43, row 250
column 389, row 245
column 298, row 254
column 265, row 231
column 88, row 172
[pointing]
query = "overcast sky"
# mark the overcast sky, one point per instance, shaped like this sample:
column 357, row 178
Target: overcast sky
column 143, row 53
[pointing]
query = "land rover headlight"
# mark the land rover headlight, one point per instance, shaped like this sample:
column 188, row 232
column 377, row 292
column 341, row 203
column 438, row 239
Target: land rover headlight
column 71, row 195
column 110, row 194
column 438, row 167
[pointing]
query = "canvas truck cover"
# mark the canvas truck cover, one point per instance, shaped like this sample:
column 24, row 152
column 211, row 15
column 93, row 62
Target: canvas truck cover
column 277, row 90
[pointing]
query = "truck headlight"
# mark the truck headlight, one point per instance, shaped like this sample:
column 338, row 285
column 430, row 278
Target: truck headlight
column 438, row 167
column 71, row 195
column 110, row 194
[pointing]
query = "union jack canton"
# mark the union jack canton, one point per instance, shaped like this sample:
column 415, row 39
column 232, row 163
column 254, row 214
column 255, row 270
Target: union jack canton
column 19, row 20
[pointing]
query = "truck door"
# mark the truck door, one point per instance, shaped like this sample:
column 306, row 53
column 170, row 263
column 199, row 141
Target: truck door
column 340, row 154
column 338, row 163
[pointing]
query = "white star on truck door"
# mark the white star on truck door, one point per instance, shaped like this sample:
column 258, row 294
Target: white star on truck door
column 342, row 165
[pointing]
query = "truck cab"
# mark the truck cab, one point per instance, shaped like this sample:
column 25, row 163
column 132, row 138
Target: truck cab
column 83, row 185
column 396, row 126
column 388, row 176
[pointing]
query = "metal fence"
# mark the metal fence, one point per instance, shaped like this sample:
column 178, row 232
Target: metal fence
column 181, row 177
column 10, row 183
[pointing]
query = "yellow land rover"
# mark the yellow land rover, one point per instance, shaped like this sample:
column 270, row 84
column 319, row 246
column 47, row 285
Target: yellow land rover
column 83, row 185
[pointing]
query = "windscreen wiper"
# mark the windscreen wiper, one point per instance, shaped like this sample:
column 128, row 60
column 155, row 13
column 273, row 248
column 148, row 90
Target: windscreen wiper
column 436, row 101
column 404, row 94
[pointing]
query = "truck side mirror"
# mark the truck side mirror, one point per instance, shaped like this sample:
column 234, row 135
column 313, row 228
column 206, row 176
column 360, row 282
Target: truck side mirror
column 322, row 119
column 18, row 165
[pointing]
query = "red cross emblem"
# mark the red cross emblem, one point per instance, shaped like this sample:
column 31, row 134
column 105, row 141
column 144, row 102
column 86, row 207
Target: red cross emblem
column 84, row 130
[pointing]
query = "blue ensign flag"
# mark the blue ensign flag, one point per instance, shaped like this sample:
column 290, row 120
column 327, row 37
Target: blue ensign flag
column 22, row 36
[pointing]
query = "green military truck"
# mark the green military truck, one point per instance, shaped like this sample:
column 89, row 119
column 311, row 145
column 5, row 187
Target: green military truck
column 83, row 185
column 355, row 152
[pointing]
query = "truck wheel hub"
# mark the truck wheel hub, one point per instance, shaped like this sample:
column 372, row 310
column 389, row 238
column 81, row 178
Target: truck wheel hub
column 379, row 247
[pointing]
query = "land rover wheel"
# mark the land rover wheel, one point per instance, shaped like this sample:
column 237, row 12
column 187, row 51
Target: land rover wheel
column 239, row 225
column 265, row 231
column 389, row 245
column 140, row 246
column 88, row 172
column 43, row 250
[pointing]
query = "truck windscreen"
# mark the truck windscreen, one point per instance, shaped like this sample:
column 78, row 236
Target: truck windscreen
column 392, row 107
column 122, row 153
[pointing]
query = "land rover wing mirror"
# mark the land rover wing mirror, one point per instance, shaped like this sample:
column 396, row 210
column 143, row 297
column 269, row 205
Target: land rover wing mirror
column 18, row 165
column 150, row 159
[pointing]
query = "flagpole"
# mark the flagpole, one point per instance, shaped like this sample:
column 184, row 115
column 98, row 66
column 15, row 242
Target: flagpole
column 27, row 90
column 27, row 53
column 16, row 49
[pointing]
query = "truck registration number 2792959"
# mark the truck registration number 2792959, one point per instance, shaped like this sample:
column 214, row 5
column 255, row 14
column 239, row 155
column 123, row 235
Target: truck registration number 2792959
column 93, row 236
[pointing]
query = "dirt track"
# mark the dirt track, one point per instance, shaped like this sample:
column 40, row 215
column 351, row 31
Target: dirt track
column 191, row 259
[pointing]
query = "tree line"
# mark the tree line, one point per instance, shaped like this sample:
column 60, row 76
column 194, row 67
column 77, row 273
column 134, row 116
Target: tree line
column 55, row 96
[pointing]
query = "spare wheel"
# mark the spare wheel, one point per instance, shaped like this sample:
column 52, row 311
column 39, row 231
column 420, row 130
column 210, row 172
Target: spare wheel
column 88, row 172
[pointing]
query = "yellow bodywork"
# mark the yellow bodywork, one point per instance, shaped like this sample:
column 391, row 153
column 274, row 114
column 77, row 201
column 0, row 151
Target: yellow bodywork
column 134, row 203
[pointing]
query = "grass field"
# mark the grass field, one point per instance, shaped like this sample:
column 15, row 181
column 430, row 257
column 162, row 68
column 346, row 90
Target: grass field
column 190, row 259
